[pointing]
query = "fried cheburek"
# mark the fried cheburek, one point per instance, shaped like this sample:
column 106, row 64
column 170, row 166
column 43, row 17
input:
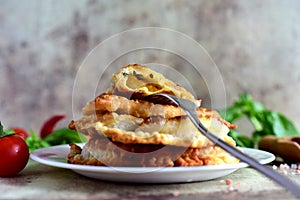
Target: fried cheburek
column 126, row 130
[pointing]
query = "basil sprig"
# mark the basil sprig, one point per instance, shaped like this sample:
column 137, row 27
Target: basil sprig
column 264, row 121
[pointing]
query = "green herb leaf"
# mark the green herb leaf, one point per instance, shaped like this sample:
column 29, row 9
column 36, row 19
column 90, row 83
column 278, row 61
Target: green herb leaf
column 264, row 121
column 2, row 133
column 241, row 140
column 232, row 113
column 57, row 137
column 34, row 142
column 64, row 136
column 282, row 126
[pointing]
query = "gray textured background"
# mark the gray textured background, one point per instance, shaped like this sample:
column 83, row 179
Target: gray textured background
column 255, row 45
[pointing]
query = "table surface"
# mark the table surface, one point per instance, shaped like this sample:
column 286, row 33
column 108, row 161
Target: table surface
column 39, row 181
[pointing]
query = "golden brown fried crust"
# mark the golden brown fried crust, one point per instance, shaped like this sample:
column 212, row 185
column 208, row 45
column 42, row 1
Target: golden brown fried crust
column 206, row 113
column 140, row 81
column 143, row 109
column 75, row 157
column 127, row 132
column 214, row 156
column 102, row 152
column 138, row 108
column 72, row 125
column 131, row 130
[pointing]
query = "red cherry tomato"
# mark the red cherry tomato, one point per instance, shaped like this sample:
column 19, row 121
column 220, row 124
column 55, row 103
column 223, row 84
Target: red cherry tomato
column 14, row 155
column 20, row 132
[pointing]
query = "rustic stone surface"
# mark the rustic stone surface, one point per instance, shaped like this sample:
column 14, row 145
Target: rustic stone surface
column 255, row 45
column 37, row 181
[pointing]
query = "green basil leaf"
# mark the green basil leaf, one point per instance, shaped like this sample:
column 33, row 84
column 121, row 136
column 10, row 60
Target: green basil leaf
column 231, row 114
column 64, row 136
column 241, row 140
column 264, row 121
column 282, row 126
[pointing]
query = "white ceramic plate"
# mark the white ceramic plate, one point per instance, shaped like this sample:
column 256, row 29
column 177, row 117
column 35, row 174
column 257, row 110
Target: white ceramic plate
column 56, row 156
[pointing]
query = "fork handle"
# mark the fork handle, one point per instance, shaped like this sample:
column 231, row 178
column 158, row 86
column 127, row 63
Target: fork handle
column 285, row 182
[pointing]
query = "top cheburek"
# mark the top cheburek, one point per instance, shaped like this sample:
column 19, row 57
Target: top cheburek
column 122, row 115
column 136, row 81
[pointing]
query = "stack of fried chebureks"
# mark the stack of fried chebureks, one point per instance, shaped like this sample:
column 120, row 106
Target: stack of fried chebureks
column 125, row 129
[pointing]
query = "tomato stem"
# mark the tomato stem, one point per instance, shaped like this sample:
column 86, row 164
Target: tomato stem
column 1, row 129
column 5, row 133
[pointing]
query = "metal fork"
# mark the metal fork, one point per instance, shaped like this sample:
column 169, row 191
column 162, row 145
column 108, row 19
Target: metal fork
column 190, row 109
